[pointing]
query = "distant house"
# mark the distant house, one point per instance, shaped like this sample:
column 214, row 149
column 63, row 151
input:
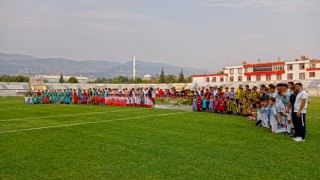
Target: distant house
column 147, row 77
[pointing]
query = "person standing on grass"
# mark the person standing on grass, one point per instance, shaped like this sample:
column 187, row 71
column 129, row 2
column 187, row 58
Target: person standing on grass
column 300, row 110
column 290, row 108
column 26, row 99
column 272, row 115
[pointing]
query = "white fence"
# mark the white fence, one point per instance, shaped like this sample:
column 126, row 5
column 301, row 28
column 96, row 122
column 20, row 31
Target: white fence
column 19, row 89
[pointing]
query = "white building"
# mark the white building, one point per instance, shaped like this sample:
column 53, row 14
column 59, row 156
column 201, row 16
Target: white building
column 55, row 79
column 147, row 77
column 298, row 70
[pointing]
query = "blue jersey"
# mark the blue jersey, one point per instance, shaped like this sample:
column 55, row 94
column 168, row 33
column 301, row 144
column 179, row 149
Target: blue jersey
column 204, row 103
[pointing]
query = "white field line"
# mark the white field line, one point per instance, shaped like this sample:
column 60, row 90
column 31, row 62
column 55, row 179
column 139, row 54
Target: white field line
column 63, row 115
column 92, row 122
column 43, row 106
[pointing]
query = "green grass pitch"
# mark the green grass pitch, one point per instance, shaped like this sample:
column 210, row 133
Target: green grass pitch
column 95, row 142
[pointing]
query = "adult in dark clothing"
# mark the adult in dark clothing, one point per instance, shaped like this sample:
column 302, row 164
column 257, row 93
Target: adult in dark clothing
column 291, row 108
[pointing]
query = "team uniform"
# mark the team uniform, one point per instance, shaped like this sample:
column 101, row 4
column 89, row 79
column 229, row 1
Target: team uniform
column 272, row 113
column 211, row 105
column 263, row 114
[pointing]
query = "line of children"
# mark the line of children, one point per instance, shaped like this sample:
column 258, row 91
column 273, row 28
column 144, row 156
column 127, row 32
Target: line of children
column 267, row 106
column 107, row 97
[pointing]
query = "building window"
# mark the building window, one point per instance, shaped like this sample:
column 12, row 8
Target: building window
column 290, row 76
column 231, row 79
column 240, row 70
column 258, row 78
column 302, row 76
column 279, row 77
column 240, row 79
column 301, row 66
column 313, row 66
column 249, row 78
column 312, row 74
column 231, row 71
column 289, row 67
column 221, row 79
column 207, row 79
column 262, row 68
column 279, row 68
column 214, row 79
column 268, row 77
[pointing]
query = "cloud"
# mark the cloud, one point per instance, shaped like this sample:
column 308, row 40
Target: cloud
column 287, row 6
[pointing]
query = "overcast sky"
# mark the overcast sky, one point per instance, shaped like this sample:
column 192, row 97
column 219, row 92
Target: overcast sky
column 193, row 33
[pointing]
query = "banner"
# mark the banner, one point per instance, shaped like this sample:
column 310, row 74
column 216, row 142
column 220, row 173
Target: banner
column 173, row 103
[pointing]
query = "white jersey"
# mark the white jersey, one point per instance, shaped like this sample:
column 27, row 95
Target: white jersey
column 153, row 94
column 272, row 94
column 138, row 100
column 148, row 101
column 264, row 114
column 26, row 99
column 279, row 104
column 30, row 100
column 272, row 113
column 301, row 95
column 127, row 100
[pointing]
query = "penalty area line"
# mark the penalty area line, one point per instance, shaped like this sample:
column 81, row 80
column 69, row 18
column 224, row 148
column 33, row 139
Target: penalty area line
column 92, row 122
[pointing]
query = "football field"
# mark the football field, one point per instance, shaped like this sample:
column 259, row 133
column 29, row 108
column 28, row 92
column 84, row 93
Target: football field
column 103, row 142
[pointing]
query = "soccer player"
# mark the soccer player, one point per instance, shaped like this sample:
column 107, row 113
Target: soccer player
column 232, row 94
column 26, row 99
column 102, row 100
column 216, row 104
column 211, row 104
column 239, row 94
column 264, row 113
column 235, row 107
column 204, row 104
column 68, row 99
column 194, row 103
column 199, row 104
column 272, row 115
column 30, row 100
column 229, row 105
column 222, row 105
column 75, row 97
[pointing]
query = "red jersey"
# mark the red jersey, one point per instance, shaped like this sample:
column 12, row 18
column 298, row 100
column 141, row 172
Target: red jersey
column 199, row 104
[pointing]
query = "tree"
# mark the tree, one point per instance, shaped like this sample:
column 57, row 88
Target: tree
column 170, row 78
column 19, row 78
column 189, row 79
column 61, row 79
column 73, row 79
column 181, row 77
column 137, row 80
column 162, row 77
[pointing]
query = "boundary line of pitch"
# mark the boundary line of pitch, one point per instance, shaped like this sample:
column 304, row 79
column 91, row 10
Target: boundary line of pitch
column 92, row 122
column 36, row 106
column 64, row 115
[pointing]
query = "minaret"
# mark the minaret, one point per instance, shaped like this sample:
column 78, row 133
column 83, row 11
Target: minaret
column 134, row 68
